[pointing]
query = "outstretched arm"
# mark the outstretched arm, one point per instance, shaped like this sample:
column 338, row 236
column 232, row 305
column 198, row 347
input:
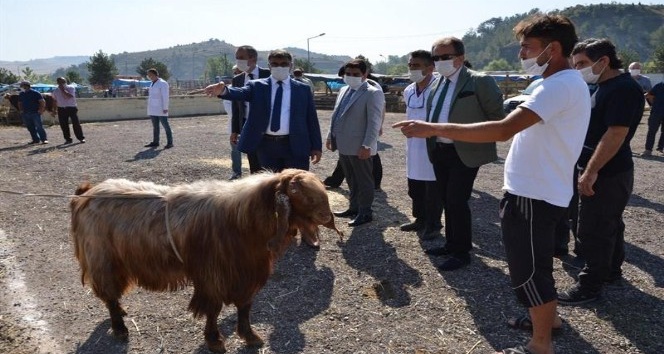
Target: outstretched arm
column 481, row 132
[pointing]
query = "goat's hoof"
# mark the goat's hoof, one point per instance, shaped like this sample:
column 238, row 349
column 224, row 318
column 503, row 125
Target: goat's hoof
column 216, row 346
column 120, row 332
column 252, row 339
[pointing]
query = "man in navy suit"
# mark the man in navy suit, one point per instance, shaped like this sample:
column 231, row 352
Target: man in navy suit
column 282, row 126
column 246, row 58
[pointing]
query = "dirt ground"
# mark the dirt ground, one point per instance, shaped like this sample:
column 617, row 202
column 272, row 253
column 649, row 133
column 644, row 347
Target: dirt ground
column 375, row 292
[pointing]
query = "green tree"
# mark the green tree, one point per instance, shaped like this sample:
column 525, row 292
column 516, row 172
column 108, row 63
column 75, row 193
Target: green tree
column 628, row 56
column 29, row 74
column 8, row 77
column 305, row 65
column 74, row 73
column 397, row 69
column 658, row 58
column 498, row 65
column 149, row 63
column 218, row 66
column 657, row 36
column 102, row 69
column 73, row 76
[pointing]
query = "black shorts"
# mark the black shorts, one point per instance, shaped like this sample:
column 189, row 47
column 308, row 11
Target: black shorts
column 528, row 227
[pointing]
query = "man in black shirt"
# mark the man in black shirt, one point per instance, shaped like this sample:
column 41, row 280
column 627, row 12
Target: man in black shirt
column 607, row 176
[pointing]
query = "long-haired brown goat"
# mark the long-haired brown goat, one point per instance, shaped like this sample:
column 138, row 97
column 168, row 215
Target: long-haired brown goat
column 222, row 237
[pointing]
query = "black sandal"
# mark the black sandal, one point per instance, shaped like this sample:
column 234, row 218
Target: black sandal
column 520, row 349
column 524, row 323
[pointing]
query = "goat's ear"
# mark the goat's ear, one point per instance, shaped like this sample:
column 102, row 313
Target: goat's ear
column 282, row 214
column 295, row 186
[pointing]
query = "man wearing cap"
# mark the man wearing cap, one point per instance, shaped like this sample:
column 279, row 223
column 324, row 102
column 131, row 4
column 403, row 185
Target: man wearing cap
column 299, row 76
column 31, row 104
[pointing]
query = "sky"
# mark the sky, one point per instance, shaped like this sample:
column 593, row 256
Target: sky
column 42, row 29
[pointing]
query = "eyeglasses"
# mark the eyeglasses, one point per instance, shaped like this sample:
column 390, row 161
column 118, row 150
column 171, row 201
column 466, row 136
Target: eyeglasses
column 283, row 64
column 443, row 57
column 417, row 102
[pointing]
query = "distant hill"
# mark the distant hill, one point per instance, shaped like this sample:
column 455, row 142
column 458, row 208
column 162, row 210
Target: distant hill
column 44, row 66
column 635, row 29
column 184, row 61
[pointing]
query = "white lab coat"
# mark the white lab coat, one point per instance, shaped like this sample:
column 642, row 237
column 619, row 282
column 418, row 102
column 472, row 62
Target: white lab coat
column 158, row 98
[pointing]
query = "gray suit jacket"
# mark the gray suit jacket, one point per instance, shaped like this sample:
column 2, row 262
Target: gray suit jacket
column 359, row 124
column 477, row 98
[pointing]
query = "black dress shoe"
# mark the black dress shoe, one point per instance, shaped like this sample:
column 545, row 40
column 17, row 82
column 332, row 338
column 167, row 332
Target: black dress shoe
column 361, row 219
column 346, row 213
column 438, row 251
column 151, row 145
column 429, row 233
column 454, row 263
column 411, row 226
column 68, row 141
column 168, row 146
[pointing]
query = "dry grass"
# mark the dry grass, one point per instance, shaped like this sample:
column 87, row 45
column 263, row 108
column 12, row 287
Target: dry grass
column 375, row 292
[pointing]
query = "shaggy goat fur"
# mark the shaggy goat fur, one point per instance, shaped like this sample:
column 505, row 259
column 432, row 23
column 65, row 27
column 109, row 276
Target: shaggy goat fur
column 229, row 235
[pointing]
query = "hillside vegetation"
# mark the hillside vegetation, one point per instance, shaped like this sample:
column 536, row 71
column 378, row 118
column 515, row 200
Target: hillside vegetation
column 635, row 29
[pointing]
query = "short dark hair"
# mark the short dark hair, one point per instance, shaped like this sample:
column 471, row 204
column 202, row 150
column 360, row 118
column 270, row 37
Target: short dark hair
column 595, row 48
column 298, row 71
column 455, row 42
column 280, row 54
column 154, row 71
column 61, row 79
column 356, row 64
column 549, row 28
column 422, row 54
column 251, row 51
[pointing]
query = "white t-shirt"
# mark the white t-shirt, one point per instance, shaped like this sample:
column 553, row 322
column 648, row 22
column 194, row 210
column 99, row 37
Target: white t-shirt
column 418, row 166
column 540, row 163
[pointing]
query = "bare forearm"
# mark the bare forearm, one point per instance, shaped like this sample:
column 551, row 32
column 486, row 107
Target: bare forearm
column 482, row 132
column 607, row 148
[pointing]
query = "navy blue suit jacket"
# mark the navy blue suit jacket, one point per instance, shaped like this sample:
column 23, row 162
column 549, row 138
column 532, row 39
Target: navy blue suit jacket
column 304, row 129
column 238, row 109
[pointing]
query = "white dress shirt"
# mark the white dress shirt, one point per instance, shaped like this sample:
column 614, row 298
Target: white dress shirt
column 284, row 128
column 445, row 111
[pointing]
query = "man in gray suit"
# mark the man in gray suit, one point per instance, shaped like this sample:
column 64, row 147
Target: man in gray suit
column 354, row 131
column 461, row 96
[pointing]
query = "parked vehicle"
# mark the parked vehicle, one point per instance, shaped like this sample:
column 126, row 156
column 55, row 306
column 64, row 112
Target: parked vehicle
column 511, row 103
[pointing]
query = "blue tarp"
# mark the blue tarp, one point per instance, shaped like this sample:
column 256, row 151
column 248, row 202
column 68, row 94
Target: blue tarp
column 131, row 83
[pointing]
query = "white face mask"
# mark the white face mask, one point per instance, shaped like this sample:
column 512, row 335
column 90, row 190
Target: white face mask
column 353, row 81
column 531, row 67
column 445, row 67
column 588, row 75
column 415, row 75
column 280, row 73
column 23, row 89
column 635, row 72
column 242, row 64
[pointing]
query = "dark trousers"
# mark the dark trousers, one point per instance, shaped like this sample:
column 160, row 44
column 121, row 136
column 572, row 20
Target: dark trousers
column 528, row 235
column 655, row 124
column 569, row 223
column 426, row 204
column 254, row 162
column 455, row 185
column 66, row 113
column 337, row 176
column 602, row 230
column 274, row 154
column 360, row 181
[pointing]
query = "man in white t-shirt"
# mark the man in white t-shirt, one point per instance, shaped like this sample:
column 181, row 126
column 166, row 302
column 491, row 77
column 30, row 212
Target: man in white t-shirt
column 548, row 130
